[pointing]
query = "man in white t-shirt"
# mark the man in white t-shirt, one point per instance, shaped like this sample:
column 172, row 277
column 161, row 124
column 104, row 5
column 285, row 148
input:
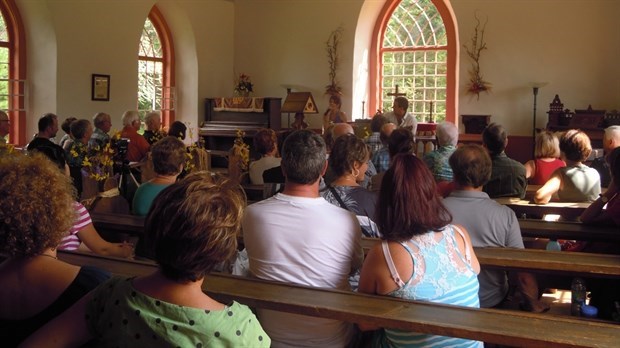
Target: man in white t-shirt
column 298, row 237
column 400, row 117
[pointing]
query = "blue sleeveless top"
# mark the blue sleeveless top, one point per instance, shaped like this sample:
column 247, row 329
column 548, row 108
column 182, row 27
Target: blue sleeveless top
column 440, row 274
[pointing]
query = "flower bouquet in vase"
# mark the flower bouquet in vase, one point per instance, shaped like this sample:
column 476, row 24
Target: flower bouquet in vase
column 243, row 86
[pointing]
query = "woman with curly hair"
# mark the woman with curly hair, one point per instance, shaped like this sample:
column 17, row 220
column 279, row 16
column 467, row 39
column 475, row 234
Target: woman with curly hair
column 349, row 162
column 192, row 226
column 36, row 211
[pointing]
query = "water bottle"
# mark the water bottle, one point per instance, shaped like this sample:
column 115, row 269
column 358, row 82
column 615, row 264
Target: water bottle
column 578, row 296
column 553, row 245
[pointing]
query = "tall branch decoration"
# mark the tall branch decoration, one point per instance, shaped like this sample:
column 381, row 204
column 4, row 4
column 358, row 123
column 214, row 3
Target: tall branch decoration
column 476, row 83
column 331, row 46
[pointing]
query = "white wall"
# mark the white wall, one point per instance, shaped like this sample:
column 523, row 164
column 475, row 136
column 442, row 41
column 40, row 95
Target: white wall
column 282, row 43
column 574, row 45
column 68, row 40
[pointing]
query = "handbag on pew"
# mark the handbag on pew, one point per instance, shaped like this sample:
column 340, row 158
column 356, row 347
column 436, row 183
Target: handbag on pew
column 369, row 228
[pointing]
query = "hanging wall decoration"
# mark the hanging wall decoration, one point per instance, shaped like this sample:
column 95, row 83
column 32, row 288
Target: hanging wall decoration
column 476, row 83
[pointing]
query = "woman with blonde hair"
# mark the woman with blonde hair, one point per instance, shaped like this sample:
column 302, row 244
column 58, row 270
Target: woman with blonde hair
column 546, row 159
column 576, row 182
column 36, row 211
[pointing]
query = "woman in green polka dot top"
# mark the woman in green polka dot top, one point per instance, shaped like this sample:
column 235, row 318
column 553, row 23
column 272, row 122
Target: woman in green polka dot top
column 191, row 227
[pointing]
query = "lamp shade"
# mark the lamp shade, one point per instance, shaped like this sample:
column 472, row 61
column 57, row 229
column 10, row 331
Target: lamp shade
column 300, row 102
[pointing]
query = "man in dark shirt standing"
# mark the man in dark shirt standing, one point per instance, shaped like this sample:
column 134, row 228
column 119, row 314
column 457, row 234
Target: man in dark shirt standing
column 507, row 175
column 48, row 127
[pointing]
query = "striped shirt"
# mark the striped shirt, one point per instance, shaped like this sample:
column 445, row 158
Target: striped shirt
column 71, row 241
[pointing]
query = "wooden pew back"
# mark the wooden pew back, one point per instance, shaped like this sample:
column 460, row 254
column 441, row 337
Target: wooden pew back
column 489, row 325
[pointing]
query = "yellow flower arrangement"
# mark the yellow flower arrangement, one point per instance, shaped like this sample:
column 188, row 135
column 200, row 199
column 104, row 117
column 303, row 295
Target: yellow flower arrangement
column 98, row 162
column 242, row 149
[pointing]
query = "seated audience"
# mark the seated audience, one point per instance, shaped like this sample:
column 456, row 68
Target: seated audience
column 83, row 231
column 266, row 145
column 333, row 114
column 78, row 150
column 178, row 129
column 298, row 237
column 48, row 127
column 36, row 210
column 490, row 224
column 400, row 141
column 400, row 117
column 348, row 160
column 168, row 156
column 422, row 255
column 153, row 131
column 606, row 208
column 576, row 182
column 611, row 140
column 437, row 161
column 66, row 127
column 103, row 124
column 546, row 159
column 138, row 146
column 374, row 140
column 507, row 175
column 381, row 158
column 192, row 227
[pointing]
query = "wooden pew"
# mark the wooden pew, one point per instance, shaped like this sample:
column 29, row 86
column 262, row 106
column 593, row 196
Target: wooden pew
column 568, row 230
column 567, row 210
column 541, row 261
column 489, row 325
column 583, row 264
column 535, row 228
column 119, row 223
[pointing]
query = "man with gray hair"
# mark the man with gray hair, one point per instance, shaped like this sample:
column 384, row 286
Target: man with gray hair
column 153, row 131
column 100, row 136
column 437, row 161
column 611, row 140
column 138, row 146
column 298, row 237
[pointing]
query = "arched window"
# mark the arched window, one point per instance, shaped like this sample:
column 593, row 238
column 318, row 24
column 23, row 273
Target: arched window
column 416, row 51
column 13, row 70
column 156, row 68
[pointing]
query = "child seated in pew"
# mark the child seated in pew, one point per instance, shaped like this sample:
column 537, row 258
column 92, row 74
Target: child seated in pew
column 546, row 161
column 576, row 182
column 36, row 210
column 83, row 231
column 422, row 256
column 192, row 226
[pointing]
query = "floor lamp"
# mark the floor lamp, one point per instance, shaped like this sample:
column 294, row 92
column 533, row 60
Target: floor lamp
column 535, row 87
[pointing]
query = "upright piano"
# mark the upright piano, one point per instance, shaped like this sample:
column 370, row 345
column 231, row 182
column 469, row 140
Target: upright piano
column 225, row 116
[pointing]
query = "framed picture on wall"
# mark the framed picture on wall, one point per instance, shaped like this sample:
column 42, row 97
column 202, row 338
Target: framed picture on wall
column 100, row 87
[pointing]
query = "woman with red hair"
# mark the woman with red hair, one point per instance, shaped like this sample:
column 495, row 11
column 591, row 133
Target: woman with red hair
column 422, row 255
